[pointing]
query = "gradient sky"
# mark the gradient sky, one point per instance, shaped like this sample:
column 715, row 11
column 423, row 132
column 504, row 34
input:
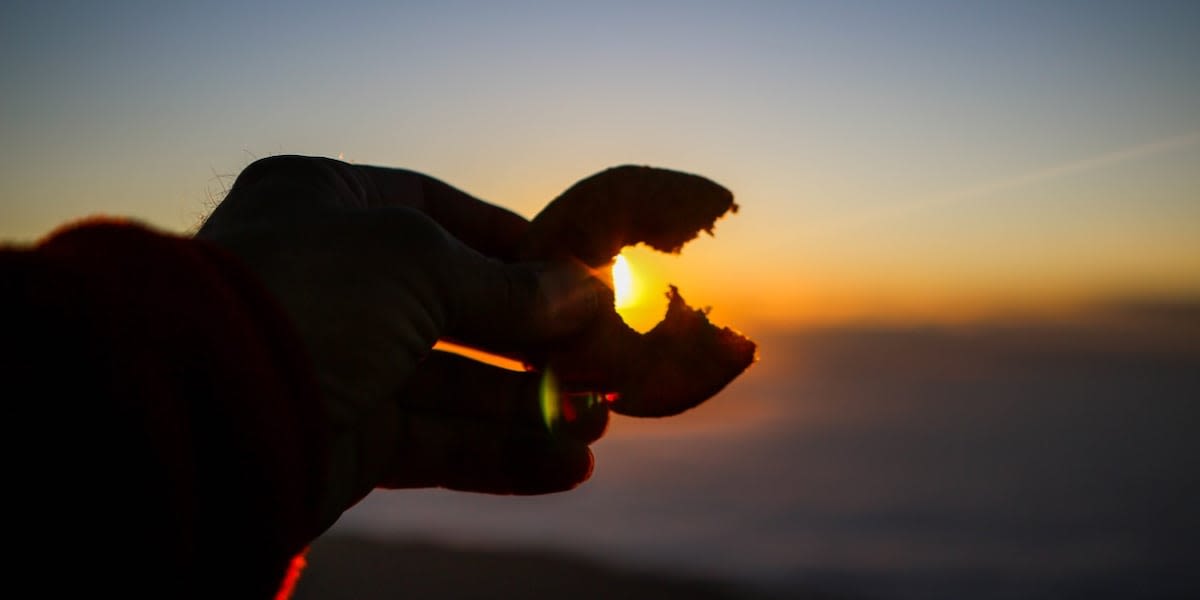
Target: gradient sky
column 921, row 160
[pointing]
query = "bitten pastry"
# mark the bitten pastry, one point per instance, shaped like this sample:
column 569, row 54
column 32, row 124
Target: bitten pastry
column 685, row 359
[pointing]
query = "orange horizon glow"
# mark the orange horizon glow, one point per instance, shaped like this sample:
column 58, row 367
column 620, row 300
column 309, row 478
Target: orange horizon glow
column 750, row 299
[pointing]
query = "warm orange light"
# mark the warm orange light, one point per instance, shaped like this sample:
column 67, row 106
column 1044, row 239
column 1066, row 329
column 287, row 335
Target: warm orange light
column 482, row 356
column 622, row 278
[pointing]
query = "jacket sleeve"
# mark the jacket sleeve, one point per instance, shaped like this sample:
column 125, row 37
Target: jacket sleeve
column 164, row 428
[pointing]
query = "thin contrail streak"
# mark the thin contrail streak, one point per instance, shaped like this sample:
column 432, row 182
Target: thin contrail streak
column 1161, row 146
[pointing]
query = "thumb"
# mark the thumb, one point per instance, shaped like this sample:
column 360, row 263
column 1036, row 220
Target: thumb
column 501, row 306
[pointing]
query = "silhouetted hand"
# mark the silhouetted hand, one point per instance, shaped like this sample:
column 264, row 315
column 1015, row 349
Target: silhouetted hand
column 374, row 266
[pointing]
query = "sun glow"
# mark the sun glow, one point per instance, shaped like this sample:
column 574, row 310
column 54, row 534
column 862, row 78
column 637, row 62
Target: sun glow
column 636, row 276
column 622, row 278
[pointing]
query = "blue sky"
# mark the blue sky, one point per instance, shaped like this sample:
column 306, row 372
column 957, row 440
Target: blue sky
column 834, row 123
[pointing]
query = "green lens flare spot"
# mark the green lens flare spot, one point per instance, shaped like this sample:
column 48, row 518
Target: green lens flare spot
column 548, row 390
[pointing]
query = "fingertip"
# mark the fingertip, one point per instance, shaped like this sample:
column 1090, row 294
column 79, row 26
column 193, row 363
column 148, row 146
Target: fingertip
column 546, row 467
column 591, row 466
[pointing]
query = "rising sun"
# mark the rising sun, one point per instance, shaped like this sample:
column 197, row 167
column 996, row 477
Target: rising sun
column 622, row 278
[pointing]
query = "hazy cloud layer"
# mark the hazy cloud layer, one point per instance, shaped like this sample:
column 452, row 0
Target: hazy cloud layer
column 1011, row 460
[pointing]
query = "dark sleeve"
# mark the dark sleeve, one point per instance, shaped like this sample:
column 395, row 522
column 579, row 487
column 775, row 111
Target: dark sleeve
column 163, row 425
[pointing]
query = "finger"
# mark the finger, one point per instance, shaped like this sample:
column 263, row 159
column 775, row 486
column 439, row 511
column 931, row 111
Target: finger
column 455, row 386
column 469, row 455
column 490, row 229
column 514, row 307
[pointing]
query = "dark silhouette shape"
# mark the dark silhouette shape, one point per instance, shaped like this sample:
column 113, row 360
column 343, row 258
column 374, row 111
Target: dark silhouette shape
column 203, row 408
